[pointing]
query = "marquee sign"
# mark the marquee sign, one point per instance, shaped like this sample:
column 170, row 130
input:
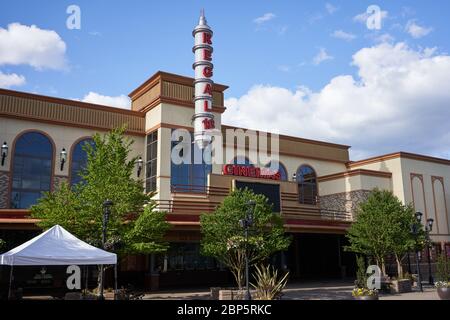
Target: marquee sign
column 203, row 118
column 250, row 172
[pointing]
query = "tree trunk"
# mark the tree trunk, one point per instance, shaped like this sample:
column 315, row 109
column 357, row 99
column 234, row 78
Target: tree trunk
column 399, row 267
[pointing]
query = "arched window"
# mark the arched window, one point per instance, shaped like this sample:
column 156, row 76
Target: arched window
column 307, row 185
column 79, row 160
column 275, row 165
column 242, row 161
column 32, row 169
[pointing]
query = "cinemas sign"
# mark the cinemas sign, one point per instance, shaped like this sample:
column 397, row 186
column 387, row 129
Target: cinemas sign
column 250, row 172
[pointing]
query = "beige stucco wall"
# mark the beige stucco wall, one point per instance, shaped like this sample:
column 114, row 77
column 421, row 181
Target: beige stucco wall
column 412, row 183
column 433, row 201
column 354, row 183
column 62, row 136
column 393, row 166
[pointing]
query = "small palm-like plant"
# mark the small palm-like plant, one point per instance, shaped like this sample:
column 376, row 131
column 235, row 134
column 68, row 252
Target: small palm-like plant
column 268, row 284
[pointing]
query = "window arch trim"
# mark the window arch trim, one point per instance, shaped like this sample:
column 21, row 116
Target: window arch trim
column 13, row 154
column 281, row 164
column 72, row 149
column 316, row 184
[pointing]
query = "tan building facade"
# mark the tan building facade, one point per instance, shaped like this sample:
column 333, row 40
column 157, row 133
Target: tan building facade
column 317, row 206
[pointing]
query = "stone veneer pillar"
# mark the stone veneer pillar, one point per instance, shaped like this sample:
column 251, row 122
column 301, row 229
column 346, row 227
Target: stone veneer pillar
column 4, row 185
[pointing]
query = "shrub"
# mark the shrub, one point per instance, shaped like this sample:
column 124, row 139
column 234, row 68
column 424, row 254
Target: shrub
column 268, row 285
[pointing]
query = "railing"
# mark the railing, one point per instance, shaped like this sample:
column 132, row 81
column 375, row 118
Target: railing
column 336, row 215
column 199, row 189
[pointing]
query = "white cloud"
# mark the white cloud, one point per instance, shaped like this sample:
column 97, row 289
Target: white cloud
column 417, row 31
column 398, row 102
column 330, row 8
column 284, row 68
column 264, row 18
column 121, row 101
column 321, row 56
column 385, row 37
column 362, row 17
column 339, row 34
column 11, row 79
column 30, row 45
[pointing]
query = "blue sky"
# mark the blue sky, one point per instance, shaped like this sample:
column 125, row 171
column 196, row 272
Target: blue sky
column 122, row 43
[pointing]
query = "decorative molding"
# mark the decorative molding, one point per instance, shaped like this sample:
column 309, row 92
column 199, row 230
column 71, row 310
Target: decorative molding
column 420, row 177
column 406, row 155
column 356, row 172
column 441, row 180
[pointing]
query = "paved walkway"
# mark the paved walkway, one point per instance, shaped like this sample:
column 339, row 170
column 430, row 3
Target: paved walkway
column 302, row 291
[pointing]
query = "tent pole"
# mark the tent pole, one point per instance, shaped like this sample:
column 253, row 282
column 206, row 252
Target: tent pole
column 86, row 279
column 10, row 282
column 115, row 281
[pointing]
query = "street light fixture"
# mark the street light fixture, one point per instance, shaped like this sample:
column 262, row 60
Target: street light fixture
column 415, row 232
column 140, row 165
column 246, row 223
column 4, row 152
column 428, row 229
column 107, row 204
column 63, row 158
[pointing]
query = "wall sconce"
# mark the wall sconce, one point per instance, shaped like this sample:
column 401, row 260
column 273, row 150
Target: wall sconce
column 294, row 177
column 4, row 152
column 140, row 164
column 63, row 158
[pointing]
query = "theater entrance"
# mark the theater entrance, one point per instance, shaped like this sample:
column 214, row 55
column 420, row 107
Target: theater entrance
column 314, row 256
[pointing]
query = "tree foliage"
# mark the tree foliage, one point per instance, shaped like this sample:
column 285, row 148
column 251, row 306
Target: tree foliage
column 108, row 175
column 383, row 226
column 223, row 237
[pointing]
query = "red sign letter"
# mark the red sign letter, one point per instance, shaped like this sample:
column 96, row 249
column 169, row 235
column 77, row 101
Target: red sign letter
column 208, row 89
column 207, row 38
column 208, row 72
column 207, row 55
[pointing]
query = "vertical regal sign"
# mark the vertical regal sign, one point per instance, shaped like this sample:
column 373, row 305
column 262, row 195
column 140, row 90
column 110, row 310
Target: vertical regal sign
column 203, row 118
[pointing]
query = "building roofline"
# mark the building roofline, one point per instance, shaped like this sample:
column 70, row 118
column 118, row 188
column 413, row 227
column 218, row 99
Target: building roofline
column 355, row 172
column 296, row 139
column 401, row 154
column 171, row 77
column 69, row 102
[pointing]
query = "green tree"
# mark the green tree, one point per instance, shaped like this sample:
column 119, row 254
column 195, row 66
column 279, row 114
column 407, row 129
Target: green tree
column 108, row 175
column 443, row 268
column 402, row 241
column 382, row 227
column 223, row 238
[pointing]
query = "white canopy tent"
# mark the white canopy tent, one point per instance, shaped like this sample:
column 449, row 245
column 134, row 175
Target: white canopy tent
column 57, row 246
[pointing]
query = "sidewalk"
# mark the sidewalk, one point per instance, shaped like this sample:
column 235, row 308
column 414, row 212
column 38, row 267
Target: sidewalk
column 302, row 291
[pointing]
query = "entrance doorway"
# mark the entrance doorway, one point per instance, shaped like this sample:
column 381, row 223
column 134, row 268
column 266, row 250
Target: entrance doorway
column 314, row 256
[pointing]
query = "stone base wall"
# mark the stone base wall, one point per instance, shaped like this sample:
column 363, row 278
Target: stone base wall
column 4, row 185
column 343, row 202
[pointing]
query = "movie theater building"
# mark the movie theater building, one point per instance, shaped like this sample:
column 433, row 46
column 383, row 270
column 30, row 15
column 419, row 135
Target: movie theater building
column 316, row 189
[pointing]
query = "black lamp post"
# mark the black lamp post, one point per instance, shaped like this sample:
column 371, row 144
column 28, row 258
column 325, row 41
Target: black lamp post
column 246, row 224
column 415, row 232
column 106, row 213
column 63, row 158
column 428, row 229
column 140, row 165
column 4, row 152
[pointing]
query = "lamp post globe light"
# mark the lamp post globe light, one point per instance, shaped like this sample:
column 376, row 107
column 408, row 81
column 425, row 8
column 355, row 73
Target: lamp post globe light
column 246, row 223
column 140, row 165
column 428, row 229
column 63, row 158
column 415, row 232
column 107, row 204
column 4, row 152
